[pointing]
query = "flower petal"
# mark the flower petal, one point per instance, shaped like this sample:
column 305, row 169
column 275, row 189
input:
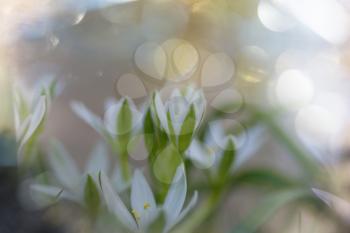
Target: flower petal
column 176, row 196
column 253, row 143
column 201, row 155
column 86, row 115
column 184, row 212
column 44, row 195
column 142, row 200
column 63, row 166
column 110, row 117
column 215, row 138
column 115, row 204
column 160, row 111
column 98, row 160
column 199, row 102
column 35, row 120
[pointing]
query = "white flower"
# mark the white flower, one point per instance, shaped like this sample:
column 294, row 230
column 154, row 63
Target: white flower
column 144, row 209
column 180, row 115
column 120, row 117
column 69, row 180
column 207, row 154
column 30, row 110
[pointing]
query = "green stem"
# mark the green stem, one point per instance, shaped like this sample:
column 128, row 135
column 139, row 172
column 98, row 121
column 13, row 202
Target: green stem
column 124, row 166
column 123, row 159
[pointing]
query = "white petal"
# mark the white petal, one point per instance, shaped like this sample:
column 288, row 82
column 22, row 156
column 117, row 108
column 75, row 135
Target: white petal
column 51, row 191
column 63, row 166
column 137, row 116
column 340, row 206
column 190, row 90
column 216, row 135
column 176, row 196
column 110, row 117
column 201, row 155
column 98, row 160
column 160, row 111
column 115, row 204
column 119, row 182
column 200, row 105
column 23, row 128
column 254, row 141
column 87, row 116
column 178, row 108
column 184, row 212
column 44, row 195
column 142, row 200
column 36, row 119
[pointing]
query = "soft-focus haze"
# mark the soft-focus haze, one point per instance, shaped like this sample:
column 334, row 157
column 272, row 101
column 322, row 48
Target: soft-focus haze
column 292, row 54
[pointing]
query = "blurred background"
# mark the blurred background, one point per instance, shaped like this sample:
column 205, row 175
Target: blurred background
column 287, row 54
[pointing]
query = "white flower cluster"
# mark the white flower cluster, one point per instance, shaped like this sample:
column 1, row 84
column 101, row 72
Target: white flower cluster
column 171, row 132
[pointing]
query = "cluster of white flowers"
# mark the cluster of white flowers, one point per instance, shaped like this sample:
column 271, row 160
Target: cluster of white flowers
column 171, row 135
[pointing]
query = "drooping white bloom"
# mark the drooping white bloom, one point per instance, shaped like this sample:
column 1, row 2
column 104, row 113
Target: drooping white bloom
column 144, row 209
column 181, row 114
column 120, row 117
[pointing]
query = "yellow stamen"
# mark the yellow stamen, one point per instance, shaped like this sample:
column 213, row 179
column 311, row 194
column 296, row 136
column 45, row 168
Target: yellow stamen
column 146, row 205
column 136, row 215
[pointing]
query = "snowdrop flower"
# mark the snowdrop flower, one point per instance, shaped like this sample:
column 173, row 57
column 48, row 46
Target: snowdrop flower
column 144, row 209
column 121, row 117
column 29, row 116
column 180, row 115
column 207, row 154
column 121, row 121
column 70, row 182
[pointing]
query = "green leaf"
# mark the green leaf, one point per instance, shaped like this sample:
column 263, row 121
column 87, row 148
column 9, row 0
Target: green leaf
column 124, row 119
column 227, row 160
column 124, row 128
column 91, row 196
column 267, row 208
column 187, row 129
column 149, row 131
column 263, row 178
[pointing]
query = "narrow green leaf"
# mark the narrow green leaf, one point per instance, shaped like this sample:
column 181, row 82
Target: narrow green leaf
column 187, row 129
column 124, row 128
column 227, row 160
column 91, row 196
column 263, row 178
column 149, row 131
column 124, row 119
